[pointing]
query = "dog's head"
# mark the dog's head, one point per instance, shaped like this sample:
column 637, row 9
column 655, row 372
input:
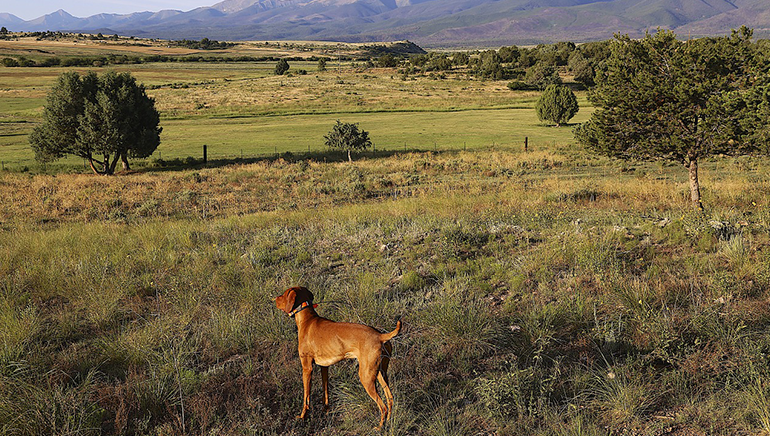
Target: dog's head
column 292, row 298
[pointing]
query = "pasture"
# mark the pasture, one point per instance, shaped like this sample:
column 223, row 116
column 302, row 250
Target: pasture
column 243, row 109
column 548, row 292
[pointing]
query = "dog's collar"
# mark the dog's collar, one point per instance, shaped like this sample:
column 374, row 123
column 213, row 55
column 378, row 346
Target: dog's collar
column 302, row 307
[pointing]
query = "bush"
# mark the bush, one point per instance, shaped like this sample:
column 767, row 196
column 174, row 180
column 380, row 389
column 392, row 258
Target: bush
column 558, row 105
column 517, row 85
column 281, row 67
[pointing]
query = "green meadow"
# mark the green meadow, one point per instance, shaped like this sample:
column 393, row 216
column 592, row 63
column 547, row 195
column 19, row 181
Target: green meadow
column 542, row 292
column 243, row 109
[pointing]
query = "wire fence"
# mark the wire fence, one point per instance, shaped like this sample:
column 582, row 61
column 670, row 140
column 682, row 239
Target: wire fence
column 211, row 156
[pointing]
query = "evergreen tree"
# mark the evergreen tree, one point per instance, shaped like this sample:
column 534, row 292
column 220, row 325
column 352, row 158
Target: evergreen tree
column 490, row 65
column 281, row 67
column 541, row 75
column 557, row 104
column 88, row 116
column 661, row 98
column 347, row 137
column 581, row 69
column 460, row 58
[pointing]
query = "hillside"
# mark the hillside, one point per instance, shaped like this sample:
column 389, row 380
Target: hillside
column 428, row 22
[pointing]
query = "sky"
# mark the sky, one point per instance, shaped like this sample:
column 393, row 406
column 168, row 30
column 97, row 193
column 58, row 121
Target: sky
column 31, row 9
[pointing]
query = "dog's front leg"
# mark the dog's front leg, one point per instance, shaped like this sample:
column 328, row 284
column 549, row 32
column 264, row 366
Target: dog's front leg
column 325, row 380
column 307, row 372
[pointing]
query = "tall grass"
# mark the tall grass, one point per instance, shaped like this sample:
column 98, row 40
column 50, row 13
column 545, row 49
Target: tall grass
column 549, row 292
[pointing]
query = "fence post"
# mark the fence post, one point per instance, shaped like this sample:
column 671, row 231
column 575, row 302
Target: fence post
column 526, row 144
column 205, row 153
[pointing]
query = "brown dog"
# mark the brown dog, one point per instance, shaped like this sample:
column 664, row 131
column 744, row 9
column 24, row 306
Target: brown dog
column 327, row 342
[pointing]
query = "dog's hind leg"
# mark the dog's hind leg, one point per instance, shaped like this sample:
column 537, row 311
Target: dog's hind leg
column 368, row 375
column 382, row 377
column 388, row 394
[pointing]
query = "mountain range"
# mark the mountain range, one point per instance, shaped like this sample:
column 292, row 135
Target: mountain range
column 427, row 22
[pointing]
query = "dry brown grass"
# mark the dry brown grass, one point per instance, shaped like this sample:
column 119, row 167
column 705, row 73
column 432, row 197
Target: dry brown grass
column 533, row 180
column 85, row 47
column 544, row 293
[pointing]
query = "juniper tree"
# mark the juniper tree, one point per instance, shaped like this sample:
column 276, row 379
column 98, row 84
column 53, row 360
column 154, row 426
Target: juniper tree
column 90, row 116
column 347, row 137
column 659, row 98
column 281, row 67
column 541, row 75
column 557, row 104
column 581, row 69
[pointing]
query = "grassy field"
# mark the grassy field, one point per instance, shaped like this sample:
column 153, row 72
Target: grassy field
column 243, row 109
column 549, row 292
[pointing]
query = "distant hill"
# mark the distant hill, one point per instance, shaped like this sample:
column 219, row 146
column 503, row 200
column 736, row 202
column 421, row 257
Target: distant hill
column 427, row 22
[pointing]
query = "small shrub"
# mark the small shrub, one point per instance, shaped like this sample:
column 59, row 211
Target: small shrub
column 517, row 85
column 281, row 67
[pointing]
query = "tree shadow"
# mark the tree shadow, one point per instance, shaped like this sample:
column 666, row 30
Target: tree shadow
column 330, row 156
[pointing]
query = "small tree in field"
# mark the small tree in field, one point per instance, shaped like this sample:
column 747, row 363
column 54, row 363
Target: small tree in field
column 581, row 69
column 661, row 98
column 88, row 116
column 557, row 104
column 347, row 137
column 281, row 67
column 541, row 75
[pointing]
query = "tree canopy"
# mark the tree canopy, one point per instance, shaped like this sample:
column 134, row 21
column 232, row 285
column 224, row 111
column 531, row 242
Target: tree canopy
column 557, row 104
column 86, row 116
column 348, row 137
column 661, row 98
column 542, row 75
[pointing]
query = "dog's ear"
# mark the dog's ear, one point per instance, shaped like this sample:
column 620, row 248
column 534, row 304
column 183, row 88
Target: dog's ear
column 304, row 293
column 289, row 296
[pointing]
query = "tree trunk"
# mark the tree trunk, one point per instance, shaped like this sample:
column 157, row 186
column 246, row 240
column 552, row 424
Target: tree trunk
column 350, row 159
column 106, row 165
column 93, row 166
column 124, row 161
column 694, row 184
column 114, row 164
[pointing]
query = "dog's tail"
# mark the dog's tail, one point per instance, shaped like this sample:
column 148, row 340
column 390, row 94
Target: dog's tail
column 384, row 337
